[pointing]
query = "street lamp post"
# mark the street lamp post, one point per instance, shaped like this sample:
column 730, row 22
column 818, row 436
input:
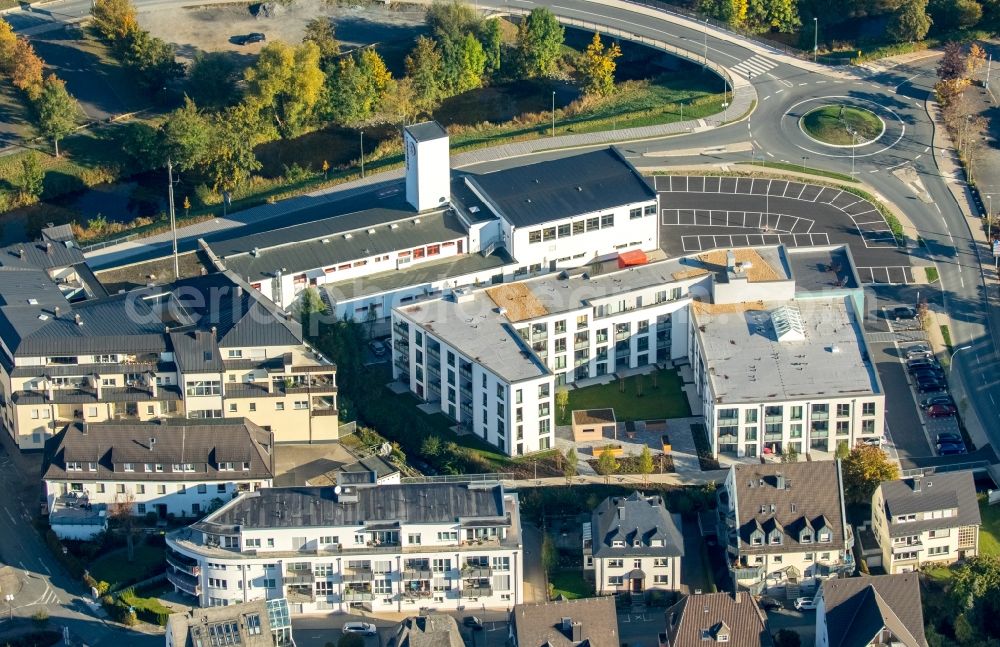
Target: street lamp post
column 173, row 219
column 362, row 154
column 10, row 605
column 553, row 113
column 705, row 63
column 951, row 366
column 989, row 217
column 815, row 37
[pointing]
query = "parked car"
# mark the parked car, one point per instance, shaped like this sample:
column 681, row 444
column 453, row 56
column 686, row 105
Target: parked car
column 951, row 449
column 949, row 437
column 874, row 442
column 904, row 312
column 929, row 374
column 805, row 604
column 252, row 37
column 941, row 410
column 917, row 364
column 917, row 350
column 378, row 348
column 362, row 628
column 768, row 604
column 931, row 386
column 927, row 368
column 937, row 399
column 473, row 622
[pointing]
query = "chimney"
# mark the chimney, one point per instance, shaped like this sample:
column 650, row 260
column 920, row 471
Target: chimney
column 152, row 443
column 48, row 248
column 730, row 260
column 576, row 631
column 20, row 252
column 780, row 482
column 566, row 623
column 55, row 311
column 78, row 320
column 239, row 290
column 917, row 483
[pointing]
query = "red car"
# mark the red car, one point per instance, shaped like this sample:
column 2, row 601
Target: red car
column 941, row 410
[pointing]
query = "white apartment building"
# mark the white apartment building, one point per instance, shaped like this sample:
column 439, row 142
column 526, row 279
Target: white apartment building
column 492, row 358
column 172, row 467
column 207, row 347
column 435, row 231
column 778, row 368
column 396, row 548
column 926, row 519
column 632, row 545
column 784, row 525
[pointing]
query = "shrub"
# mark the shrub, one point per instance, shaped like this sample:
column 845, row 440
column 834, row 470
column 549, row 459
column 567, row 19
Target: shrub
column 40, row 618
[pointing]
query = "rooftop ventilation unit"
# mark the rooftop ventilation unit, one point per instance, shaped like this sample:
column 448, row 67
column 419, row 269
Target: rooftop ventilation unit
column 347, row 236
column 787, row 322
column 394, row 226
column 371, row 232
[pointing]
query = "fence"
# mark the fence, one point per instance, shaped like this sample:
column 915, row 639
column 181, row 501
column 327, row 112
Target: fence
column 107, row 243
column 949, row 467
column 461, row 478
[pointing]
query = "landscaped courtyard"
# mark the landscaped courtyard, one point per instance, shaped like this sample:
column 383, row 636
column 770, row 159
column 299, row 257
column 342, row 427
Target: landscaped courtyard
column 652, row 396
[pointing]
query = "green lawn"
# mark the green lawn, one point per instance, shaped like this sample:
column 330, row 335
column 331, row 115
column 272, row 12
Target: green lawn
column 832, row 124
column 570, row 583
column 989, row 532
column 664, row 400
column 114, row 567
column 932, row 274
column 798, row 168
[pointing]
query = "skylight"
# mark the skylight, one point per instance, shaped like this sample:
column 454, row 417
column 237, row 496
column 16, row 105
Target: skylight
column 787, row 322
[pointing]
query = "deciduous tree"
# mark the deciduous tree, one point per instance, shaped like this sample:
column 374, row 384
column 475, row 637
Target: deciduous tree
column 8, row 41
column 492, row 40
column 910, row 22
column 30, row 179
column 320, row 31
column 356, row 91
column 733, row 12
column 539, row 42
column 976, row 58
column 153, row 60
column 186, row 136
column 645, row 463
column 26, row 74
column 471, row 65
column 597, row 64
column 425, row 69
column 768, row 15
column 606, row 463
column 864, row 468
column 114, row 20
column 953, row 63
column 285, row 83
column 231, row 161
column 57, row 111
column 570, row 464
column 452, row 20
column 211, row 80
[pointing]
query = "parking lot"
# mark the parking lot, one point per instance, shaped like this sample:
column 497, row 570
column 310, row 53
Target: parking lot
column 700, row 212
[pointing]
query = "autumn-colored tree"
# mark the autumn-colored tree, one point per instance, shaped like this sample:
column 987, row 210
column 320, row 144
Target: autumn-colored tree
column 57, row 110
column 231, row 162
column 953, row 63
column 285, row 84
column 320, row 31
column 864, row 468
column 26, row 74
column 122, row 511
column 356, row 91
column 976, row 58
column 733, row 12
column 606, row 463
column 8, row 40
column 947, row 91
column 114, row 20
column 597, row 64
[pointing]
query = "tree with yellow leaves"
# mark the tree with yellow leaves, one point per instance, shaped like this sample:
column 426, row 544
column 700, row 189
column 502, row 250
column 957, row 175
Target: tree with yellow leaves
column 114, row 19
column 598, row 67
column 977, row 57
column 285, row 83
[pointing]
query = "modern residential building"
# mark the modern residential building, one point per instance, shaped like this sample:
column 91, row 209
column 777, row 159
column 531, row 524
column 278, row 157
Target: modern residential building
column 926, row 519
column 435, row 231
column 250, row 624
column 781, row 369
column 491, row 359
column 173, row 467
column 762, row 368
column 200, row 348
column 784, row 525
column 375, row 547
column 566, row 623
column 880, row 611
column 431, row 630
column 701, row 619
column 633, row 545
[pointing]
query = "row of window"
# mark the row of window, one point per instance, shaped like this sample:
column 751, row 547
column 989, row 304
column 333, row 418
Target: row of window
column 140, row 488
column 659, row 562
column 775, row 413
column 91, row 466
column 576, row 228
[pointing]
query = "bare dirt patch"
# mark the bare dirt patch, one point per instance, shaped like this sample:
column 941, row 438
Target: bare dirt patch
column 157, row 271
column 210, row 28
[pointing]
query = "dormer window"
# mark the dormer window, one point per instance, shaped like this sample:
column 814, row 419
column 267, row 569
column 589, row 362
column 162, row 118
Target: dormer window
column 806, row 538
column 73, row 466
column 128, row 467
column 636, row 544
column 757, row 538
column 825, row 535
column 775, row 537
column 618, row 544
column 722, row 638
column 92, row 466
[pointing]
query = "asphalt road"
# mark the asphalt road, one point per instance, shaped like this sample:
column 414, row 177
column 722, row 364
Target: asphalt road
column 45, row 584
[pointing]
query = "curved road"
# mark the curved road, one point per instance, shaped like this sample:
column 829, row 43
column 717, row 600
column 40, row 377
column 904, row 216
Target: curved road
column 786, row 88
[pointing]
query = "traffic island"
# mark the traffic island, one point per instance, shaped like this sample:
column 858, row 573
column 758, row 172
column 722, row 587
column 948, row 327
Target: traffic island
column 842, row 125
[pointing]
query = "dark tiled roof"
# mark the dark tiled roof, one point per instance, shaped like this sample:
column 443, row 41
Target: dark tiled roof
column 811, row 496
column 89, row 396
column 857, row 608
column 538, row 625
column 426, row 131
column 46, row 253
column 324, row 243
column 298, row 507
column 546, row 191
column 205, row 443
column 196, row 351
column 944, row 491
column 635, row 518
column 699, row 620
column 432, row 630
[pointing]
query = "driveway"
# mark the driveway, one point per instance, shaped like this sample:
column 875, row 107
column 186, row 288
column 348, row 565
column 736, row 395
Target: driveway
column 906, row 431
column 801, row 622
column 534, row 576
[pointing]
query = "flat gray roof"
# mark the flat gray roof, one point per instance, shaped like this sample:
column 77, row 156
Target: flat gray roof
column 747, row 363
column 821, row 269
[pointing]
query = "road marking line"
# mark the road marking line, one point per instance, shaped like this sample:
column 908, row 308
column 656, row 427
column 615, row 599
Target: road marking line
column 927, row 149
column 918, row 157
column 765, row 99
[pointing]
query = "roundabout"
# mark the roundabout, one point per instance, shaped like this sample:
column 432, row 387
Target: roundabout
column 842, row 125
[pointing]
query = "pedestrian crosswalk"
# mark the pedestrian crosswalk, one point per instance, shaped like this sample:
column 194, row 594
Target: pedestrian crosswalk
column 754, row 66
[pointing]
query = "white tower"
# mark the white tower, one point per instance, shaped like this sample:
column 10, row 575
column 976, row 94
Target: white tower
column 428, row 168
